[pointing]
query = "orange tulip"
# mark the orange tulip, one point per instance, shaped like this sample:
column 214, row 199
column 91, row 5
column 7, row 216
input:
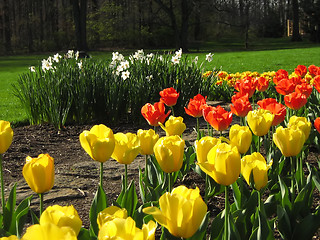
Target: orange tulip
column 285, row 86
column 280, row 74
column 219, row 118
column 169, row 96
column 295, row 100
column 246, row 86
column 262, row 84
column 301, row 70
column 195, row 106
column 277, row 109
column 304, row 88
column 240, row 105
column 154, row 113
column 317, row 124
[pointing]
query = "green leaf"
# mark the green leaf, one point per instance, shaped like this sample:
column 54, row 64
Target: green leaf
column 236, row 195
column 84, row 234
column 34, row 217
column 8, row 214
column 306, row 228
column 99, row 203
column 264, row 230
column 21, row 215
column 217, row 227
column 285, row 200
column 284, row 224
column 129, row 199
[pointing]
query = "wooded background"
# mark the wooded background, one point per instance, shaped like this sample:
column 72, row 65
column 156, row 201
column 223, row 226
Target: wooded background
column 53, row 25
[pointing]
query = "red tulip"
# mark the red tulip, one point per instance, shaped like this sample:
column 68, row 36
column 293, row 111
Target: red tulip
column 301, row 70
column 246, row 86
column 205, row 110
column 195, row 106
column 316, row 83
column 304, row 88
column 295, row 100
column 280, row 74
column 314, row 70
column 219, row 118
column 285, row 86
column 240, row 105
column 317, row 124
column 277, row 109
column 169, row 96
column 154, row 113
column 262, row 84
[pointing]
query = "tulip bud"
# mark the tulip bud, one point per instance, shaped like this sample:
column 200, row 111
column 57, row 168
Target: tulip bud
column 39, row 173
column 241, row 137
column 174, row 126
column 169, row 153
column 98, row 142
column 290, row 141
column 203, row 146
column 256, row 164
column 223, row 164
column 110, row 213
column 147, row 139
column 300, row 123
column 181, row 211
column 6, row 135
column 62, row 216
column 125, row 228
column 260, row 121
column 126, row 147
column 49, row 231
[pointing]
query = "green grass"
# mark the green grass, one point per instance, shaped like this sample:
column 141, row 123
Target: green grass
column 230, row 56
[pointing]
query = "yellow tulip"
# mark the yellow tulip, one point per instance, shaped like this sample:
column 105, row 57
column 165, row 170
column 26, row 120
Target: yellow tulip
column 260, row 121
column 49, row 231
column 147, row 139
column 12, row 237
column 241, row 137
column 256, row 164
column 223, row 164
column 99, row 142
column 289, row 140
column 174, row 126
column 169, row 153
column 6, row 135
column 125, row 228
column 126, row 148
column 301, row 123
column 181, row 211
column 111, row 213
column 39, row 173
column 203, row 146
column 62, row 216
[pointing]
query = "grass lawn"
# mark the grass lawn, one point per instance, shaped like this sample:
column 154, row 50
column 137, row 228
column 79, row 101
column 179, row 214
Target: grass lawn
column 228, row 56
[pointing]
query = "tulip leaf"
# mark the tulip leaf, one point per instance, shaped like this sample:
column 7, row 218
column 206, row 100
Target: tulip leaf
column 236, row 194
column 284, row 223
column 21, row 214
column 264, row 229
column 34, row 217
column 142, row 186
column 217, row 227
column 99, row 203
column 303, row 201
column 285, row 201
column 84, row 234
column 8, row 214
column 166, row 235
column 306, row 228
column 129, row 199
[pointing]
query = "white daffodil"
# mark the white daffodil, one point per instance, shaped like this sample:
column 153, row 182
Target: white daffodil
column 125, row 75
column 209, row 57
column 32, row 69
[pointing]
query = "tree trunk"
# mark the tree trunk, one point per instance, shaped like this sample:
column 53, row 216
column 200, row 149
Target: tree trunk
column 295, row 21
column 7, row 28
column 80, row 18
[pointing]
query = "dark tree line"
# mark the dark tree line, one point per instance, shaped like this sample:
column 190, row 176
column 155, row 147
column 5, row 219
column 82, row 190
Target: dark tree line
column 52, row 25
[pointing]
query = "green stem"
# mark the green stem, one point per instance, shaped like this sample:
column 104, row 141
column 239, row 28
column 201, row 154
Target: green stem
column 292, row 179
column 101, row 174
column 41, row 203
column 258, row 147
column 206, row 189
column 226, row 214
column 126, row 176
column 198, row 129
column 172, row 110
column 170, row 182
column 2, row 185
